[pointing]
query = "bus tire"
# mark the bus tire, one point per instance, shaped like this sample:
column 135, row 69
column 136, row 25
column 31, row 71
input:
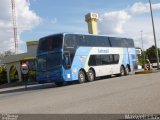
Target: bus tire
column 40, row 82
column 127, row 70
column 81, row 77
column 59, row 84
column 122, row 71
column 91, row 76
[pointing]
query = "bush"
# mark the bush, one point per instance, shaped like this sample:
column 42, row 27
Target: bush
column 3, row 75
column 3, row 81
column 32, row 75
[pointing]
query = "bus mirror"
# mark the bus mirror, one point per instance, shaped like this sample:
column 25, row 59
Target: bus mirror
column 66, row 61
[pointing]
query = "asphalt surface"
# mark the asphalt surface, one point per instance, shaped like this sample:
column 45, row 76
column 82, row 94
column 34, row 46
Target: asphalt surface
column 128, row 94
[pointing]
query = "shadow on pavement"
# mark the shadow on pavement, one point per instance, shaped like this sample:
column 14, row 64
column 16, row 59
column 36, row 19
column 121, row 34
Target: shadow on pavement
column 37, row 86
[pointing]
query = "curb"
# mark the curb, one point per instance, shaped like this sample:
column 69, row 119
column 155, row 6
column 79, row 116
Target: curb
column 144, row 72
column 16, row 84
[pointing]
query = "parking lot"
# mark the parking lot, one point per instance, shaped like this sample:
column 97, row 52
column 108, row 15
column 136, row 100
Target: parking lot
column 128, row 94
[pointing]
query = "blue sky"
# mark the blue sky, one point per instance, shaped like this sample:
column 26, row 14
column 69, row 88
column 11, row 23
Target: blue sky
column 69, row 14
column 38, row 18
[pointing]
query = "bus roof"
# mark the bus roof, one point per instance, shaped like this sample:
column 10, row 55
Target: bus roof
column 64, row 33
column 94, row 35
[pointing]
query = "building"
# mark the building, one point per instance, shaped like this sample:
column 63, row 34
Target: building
column 15, row 61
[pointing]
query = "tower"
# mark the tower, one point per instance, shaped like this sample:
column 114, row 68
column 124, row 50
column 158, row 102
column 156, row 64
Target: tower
column 91, row 19
column 14, row 26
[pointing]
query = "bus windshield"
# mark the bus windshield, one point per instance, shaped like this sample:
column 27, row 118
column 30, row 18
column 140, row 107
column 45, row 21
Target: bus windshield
column 53, row 60
column 50, row 43
column 50, row 61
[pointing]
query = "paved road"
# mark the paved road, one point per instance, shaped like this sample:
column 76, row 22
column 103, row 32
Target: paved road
column 130, row 94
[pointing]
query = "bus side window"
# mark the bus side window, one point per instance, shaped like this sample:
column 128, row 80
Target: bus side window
column 116, row 59
column 92, row 61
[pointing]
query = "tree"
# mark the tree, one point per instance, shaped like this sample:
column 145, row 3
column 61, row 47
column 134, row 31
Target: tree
column 5, row 54
column 141, row 58
column 151, row 54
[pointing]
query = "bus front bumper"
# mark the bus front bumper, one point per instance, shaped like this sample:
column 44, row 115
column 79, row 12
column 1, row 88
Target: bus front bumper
column 47, row 77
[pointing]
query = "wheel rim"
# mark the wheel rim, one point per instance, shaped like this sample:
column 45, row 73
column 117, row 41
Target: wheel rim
column 127, row 71
column 91, row 76
column 81, row 76
column 122, row 71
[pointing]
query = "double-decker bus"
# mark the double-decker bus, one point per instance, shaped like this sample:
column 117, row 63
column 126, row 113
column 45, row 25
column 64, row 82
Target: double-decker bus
column 68, row 57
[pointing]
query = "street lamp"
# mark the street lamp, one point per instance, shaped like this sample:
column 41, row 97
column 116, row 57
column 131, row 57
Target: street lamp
column 157, row 56
column 143, row 53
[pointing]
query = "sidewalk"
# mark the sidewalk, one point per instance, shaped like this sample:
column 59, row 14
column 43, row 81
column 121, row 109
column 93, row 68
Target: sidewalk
column 142, row 71
column 15, row 84
column 22, row 88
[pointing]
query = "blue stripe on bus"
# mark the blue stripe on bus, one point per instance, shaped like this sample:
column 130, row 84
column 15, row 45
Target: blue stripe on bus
column 79, row 61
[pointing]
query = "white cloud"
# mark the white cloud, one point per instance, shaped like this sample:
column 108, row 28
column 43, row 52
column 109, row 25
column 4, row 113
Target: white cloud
column 54, row 21
column 26, row 20
column 134, row 27
column 128, row 23
column 140, row 7
column 144, row 23
column 112, row 22
column 147, row 39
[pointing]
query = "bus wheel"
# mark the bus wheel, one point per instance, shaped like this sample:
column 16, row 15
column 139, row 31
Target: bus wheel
column 81, row 77
column 122, row 71
column 59, row 83
column 91, row 75
column 127, row 71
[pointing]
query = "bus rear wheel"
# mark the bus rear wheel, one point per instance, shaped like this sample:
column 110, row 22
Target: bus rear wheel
column 91, row 75
column 81, row 77
column 122, row 71
column 127, row 71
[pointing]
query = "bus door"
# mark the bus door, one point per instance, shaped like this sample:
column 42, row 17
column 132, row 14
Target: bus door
column 132, row 59
column 67, row 65
column 129, row 57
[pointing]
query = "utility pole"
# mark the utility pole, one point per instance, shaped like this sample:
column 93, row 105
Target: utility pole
column 14, row 25
column 142, row 47
column 157, row 56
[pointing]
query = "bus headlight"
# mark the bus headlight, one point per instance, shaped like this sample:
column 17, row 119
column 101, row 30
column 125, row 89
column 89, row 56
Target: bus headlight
column 68, row 76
